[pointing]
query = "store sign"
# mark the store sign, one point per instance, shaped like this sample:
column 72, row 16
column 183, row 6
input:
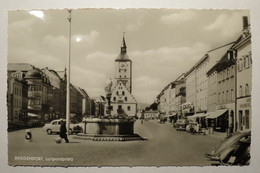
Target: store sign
column 187, row 108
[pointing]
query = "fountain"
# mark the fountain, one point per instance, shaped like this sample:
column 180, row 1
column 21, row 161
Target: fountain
column 109, row 128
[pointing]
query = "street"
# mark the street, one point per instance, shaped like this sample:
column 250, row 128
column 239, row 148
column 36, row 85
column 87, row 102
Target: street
column 164, row 147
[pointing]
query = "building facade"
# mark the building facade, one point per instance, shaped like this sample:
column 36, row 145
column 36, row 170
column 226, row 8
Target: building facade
column 244, row 80
column 39, row 85
column 122, row 100
column 17, row 99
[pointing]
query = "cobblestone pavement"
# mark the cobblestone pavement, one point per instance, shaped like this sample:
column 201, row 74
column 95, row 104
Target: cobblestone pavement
column 164, row 147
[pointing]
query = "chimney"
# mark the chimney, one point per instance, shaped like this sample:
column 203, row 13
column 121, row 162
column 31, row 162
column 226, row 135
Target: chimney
column 245, row 22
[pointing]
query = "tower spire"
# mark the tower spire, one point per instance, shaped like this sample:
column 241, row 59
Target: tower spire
column 123, row 46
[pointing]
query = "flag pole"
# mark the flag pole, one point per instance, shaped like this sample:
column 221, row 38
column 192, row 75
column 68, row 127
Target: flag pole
column 68, row 78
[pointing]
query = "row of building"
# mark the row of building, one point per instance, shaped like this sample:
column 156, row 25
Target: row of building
column 34, row 92
column 216, row 91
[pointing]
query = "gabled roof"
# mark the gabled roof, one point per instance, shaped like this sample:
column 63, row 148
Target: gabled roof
column 19, row 67
column 124, row 88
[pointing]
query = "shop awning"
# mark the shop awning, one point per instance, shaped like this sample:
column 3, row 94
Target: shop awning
column 213, row 115
column 199, row 115
column 173, row 114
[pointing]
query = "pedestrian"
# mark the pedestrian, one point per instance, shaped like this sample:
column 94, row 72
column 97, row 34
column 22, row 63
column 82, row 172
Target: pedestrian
column 63, row 131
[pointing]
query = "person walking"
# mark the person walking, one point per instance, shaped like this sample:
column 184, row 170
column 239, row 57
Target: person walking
column 63, row 131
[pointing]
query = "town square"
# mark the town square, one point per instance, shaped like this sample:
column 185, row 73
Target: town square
column 129, row 87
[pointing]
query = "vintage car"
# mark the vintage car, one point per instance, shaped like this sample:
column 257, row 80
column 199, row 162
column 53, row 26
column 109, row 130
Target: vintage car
column 54, row 127
column 227, row 147
column 181, row 124
column 241, row 156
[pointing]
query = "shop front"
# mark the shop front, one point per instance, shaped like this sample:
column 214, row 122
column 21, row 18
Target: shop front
column 244, row 114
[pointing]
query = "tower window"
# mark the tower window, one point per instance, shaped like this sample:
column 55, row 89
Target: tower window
column 123, row 93
column 125, row 98
column 114, row 98
column 128, row 108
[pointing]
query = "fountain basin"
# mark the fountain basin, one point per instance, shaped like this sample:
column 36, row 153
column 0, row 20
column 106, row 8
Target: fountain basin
column 108, row 130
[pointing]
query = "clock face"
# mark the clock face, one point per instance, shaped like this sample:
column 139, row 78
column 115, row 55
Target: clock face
column 122, row 66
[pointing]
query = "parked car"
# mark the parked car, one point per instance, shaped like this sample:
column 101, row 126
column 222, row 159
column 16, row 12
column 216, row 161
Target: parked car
column 241, row 156
column 193, row 127
column 54, row 127
column 181, row 124
column 227, row 147
column 162, row 119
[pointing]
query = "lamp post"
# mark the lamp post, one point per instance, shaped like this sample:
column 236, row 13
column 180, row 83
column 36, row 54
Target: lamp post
column 68, row 79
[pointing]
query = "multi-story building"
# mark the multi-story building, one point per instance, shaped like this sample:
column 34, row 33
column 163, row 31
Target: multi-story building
column 39, row 85
column 75, row 103
column 54, row 94
column 162, row 102
column 188, row 106
column 180, row 96
column 244, row 78
column 197, row 81
column 122, row 99
column 17, row 99
column 85, row 102
column 221, row 93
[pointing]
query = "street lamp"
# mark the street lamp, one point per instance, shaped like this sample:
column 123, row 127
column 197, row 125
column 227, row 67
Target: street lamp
column 68, row 79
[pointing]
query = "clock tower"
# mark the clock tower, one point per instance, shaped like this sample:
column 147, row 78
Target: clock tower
column 123, row 68
column 122, row 100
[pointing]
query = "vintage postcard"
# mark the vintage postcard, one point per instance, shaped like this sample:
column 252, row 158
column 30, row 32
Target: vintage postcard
column 129, row 87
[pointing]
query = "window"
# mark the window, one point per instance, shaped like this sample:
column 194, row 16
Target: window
column 111, row 107
column 117, row 93
column 240, row 64
column 232, row 71
column 228, row 99
column 125, row 98
column 114, row 98
column 247, row 119
column 246, row 90
column 128, row 108
column 250, row 57
column 232, row 95
column 246, row 61
column 123, row 93
column 228, row 73
column 240, row 91
column 240, row 114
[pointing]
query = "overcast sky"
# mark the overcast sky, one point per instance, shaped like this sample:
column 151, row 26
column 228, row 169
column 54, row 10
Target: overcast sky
column 162, row 44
